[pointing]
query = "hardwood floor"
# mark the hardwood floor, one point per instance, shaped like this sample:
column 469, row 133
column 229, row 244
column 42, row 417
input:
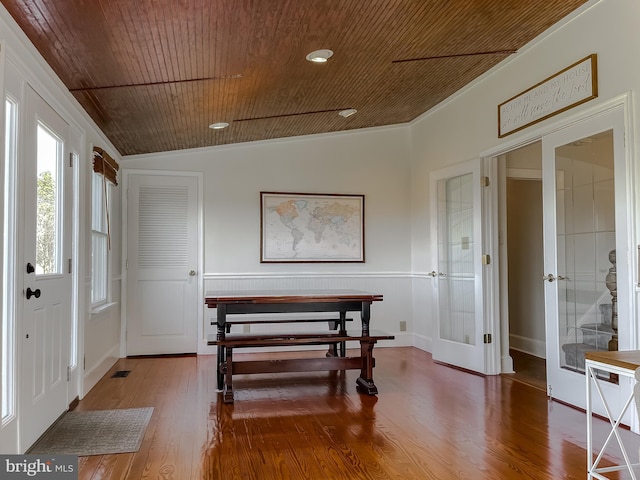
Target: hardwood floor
column 429, row 421
column 529, row 369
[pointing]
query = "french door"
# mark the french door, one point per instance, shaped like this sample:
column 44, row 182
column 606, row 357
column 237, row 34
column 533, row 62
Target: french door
column 586, row 247
column 45, row 253
column 456, row 226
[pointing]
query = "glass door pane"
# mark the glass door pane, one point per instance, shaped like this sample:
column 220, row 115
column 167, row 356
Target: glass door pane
column 456, row 271
column 48, row 195
column 586, row 242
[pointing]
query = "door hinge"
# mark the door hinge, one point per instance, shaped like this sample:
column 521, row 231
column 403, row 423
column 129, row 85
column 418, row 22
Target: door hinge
column 70, row 265
column 484, row 181
column 126, row 264
column 486, row 259
column 71, row 159
column 68, row 374
column 487, row 338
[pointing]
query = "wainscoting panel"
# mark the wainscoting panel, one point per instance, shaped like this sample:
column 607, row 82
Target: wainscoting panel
column 423, row 311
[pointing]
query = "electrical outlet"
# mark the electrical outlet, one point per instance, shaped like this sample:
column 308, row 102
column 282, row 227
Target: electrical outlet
column 246, row 329
column 403, row 325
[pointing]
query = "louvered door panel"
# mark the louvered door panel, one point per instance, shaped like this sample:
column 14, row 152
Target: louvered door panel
column 163, row 226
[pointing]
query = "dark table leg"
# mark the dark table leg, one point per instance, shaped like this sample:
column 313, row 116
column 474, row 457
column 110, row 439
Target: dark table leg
column 227, row 395
column 343, row 330
column 365, row 316
column 365, row 380
column 333, row 347
column 340, row 325
column 221, row 325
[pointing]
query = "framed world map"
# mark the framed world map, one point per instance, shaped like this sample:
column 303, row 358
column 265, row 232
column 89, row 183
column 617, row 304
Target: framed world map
column 311, row 227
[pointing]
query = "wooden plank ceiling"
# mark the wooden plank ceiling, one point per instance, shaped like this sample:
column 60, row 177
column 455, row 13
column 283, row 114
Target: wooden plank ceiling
column 154, row 74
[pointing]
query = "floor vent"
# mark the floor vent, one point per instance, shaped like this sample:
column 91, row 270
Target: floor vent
column 121, row 374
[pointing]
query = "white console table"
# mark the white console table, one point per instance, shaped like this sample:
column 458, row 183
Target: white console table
column 623, row 364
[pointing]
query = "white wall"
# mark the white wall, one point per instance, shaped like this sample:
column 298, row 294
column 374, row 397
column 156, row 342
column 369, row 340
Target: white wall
column 526, row 292
column 372, row 162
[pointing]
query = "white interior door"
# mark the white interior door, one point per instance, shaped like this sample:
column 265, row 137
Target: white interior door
column 162, row 253
column 456, row 226
column 46, row 240
column 586, row 245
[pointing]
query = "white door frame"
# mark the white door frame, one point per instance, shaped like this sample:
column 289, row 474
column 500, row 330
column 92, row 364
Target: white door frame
column 624, row 101
column 77, row 146
column 55, row 391
column 202, row 344
column 505, row 362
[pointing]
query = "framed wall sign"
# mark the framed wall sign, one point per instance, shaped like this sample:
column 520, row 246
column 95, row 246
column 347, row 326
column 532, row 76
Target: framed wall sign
column 311, row 227
column 576, row 84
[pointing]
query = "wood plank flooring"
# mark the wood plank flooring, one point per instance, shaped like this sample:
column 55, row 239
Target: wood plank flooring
column 429, row 421
column 529, row 369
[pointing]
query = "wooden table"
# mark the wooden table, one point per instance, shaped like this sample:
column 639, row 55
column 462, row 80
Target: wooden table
column 624, row 364
column 302, row 301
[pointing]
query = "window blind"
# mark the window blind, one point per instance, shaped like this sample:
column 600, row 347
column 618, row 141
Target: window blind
column 105, row 165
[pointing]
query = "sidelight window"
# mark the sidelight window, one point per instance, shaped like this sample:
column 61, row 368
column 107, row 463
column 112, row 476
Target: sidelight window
column 8, row 265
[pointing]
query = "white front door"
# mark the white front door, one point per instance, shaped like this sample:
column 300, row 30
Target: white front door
column 46, row 251
column 456, row 226
column 586, row 246
column 162, row 254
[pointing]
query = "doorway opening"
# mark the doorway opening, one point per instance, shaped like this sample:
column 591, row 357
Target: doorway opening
column 525, row 258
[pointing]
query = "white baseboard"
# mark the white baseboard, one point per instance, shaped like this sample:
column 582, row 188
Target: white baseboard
column 94, row 374
column 403, row 339
column 422, row 342
column 531, row 346
column 506, row 364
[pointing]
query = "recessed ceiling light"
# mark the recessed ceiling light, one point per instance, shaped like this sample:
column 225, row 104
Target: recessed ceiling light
column 348, row 112
column 319, row 56
column 218, row 125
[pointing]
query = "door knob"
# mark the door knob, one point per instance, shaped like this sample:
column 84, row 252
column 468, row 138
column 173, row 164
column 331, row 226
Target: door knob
column 433, row 273
column 33, row 293
column 549, row 278
column 30, row 268
column 192, row 273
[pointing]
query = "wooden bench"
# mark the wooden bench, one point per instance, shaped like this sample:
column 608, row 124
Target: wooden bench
column 365, row 361
column 335, row 324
